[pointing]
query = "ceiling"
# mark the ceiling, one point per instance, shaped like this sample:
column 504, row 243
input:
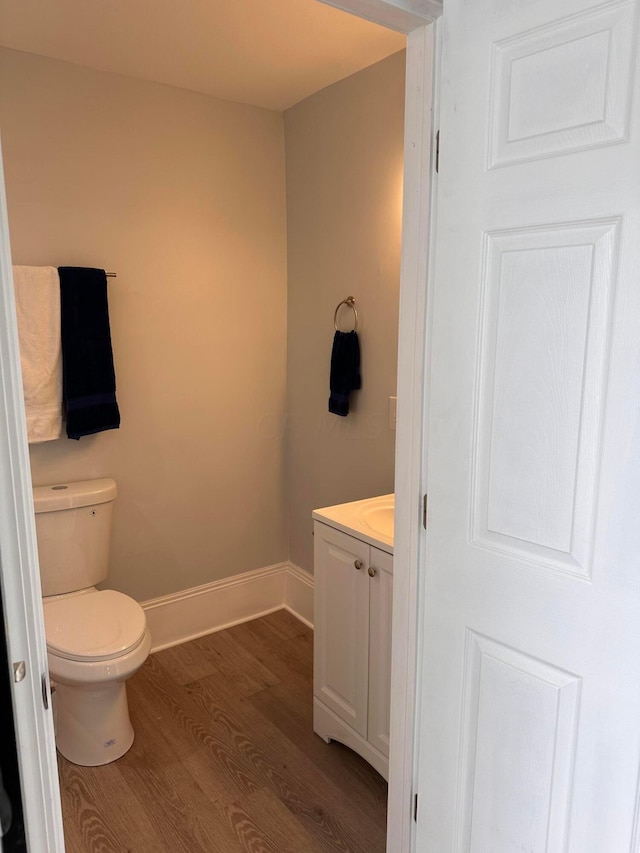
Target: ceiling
column 269, row 53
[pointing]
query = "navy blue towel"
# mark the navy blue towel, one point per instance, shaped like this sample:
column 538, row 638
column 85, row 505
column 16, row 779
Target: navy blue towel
column 345, row 371
column 88, row 376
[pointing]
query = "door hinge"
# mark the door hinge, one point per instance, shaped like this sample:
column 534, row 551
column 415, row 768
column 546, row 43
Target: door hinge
column 415, row 807
column 424, row 511
column 45, row 692
column 437, row 151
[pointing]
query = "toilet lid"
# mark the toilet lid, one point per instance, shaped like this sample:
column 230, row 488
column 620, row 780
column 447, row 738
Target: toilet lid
column 93, row 626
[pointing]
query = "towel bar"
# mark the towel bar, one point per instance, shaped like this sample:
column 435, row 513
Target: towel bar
column 350, row 302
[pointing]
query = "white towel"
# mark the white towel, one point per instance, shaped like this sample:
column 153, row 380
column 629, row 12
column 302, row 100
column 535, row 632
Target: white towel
column 37, row 291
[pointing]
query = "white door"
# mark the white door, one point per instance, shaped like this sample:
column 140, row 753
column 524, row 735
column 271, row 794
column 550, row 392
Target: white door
column 530, row 674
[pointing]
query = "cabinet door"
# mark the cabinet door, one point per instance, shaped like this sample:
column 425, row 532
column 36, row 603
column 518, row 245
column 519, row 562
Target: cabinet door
column 340, row 678
column 380, row 604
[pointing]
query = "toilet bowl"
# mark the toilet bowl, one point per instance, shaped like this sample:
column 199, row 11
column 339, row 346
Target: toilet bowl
column 96, row 639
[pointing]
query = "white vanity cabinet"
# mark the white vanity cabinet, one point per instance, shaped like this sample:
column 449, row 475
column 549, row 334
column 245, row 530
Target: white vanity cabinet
column 352, row 640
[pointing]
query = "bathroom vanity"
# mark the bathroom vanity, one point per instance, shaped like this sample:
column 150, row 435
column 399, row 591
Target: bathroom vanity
column 353, row 564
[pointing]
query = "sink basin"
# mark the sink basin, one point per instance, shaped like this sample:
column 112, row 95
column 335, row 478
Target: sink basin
column 370, row 520
column 379, row 516
column 380, row 520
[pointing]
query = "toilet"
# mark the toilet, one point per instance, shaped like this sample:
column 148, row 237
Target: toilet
column 96, row 639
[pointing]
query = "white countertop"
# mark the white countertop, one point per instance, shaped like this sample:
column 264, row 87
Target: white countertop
column 370, row 520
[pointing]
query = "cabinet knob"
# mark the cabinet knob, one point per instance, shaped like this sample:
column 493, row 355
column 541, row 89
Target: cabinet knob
column 358, row 564
column 371, row 571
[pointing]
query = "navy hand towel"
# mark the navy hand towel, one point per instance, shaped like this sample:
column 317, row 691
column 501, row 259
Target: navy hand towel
column 88, row 376
column 345, row 371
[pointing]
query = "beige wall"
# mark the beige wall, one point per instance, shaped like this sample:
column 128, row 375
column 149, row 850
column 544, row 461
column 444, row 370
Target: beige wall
column 183, row 196
column 344, row 157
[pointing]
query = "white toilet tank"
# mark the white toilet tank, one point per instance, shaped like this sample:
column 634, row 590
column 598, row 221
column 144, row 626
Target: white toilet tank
column 73, row 526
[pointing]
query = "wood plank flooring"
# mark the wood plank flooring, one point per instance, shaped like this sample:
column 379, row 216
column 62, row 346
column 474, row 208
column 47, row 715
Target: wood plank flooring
column 225, row 759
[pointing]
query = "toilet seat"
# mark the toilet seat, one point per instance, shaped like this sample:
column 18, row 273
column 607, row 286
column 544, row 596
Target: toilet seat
column 96, row 625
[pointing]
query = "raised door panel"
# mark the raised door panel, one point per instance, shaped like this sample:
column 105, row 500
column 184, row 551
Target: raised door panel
column 546, row 297
column 380, row 607
column 341, row 654
column 563, row 87
column 520, row 724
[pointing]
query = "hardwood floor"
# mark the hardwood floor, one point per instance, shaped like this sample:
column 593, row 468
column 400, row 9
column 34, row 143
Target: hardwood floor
column 225, row 759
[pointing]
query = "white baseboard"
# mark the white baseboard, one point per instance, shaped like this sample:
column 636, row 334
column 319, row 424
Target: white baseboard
column 298, row 593
column 191, row 613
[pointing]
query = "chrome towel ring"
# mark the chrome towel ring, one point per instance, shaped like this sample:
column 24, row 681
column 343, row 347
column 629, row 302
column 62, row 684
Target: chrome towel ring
column 350, row 302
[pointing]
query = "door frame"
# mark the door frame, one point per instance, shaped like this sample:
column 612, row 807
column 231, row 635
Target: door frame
column 411, row 436
column 20, row 581
column 418, row 20
column 19, row 571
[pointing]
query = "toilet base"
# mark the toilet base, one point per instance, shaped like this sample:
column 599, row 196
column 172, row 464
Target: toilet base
column 92, row 723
